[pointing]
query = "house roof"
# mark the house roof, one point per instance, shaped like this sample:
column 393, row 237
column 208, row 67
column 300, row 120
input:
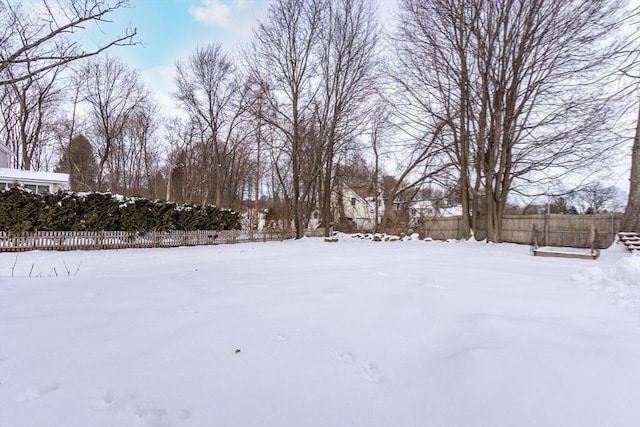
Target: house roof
column 422, row 204
column 451, row 211
column 11, row 175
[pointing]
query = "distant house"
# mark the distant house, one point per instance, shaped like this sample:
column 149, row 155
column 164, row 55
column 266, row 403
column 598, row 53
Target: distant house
column 425, row 209
column 354, row 211
column 421, row 209
column 38, row 182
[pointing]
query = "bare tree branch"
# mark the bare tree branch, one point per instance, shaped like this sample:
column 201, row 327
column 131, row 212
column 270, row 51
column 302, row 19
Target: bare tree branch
column 47, row 41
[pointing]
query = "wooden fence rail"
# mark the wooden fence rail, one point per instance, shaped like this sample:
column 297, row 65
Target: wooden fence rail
column 81, row 240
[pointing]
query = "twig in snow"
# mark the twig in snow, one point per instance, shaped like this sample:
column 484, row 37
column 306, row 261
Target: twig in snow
column 66, row 268
column 78, row 269
column 33, row 264
column 13, row 267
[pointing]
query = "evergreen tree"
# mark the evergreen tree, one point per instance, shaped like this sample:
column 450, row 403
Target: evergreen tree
column 178, row 178
column 79, row 162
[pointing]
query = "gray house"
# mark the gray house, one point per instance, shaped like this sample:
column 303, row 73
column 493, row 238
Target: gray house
column 38, row 182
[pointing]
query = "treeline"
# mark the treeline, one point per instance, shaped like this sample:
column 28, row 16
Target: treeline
column 23, row 211
column 488, row 103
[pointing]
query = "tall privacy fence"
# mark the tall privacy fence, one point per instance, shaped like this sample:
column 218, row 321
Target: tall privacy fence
column 75, row 240
column 553, row 229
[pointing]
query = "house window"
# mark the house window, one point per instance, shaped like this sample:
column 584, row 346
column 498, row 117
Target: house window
column 353, row 201
column 34, row 188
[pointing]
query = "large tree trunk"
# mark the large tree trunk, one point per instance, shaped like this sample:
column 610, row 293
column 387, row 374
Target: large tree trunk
column 295, row 162
column 631, row 219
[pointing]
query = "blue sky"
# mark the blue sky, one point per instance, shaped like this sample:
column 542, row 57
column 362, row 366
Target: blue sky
column 170, row 30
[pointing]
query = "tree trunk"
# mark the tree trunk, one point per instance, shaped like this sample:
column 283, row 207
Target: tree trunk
column 631, row 219
column 295, row 163
column 326, row 203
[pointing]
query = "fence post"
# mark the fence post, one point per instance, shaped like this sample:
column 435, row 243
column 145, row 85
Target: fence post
column 546, row 229
column 613, row 229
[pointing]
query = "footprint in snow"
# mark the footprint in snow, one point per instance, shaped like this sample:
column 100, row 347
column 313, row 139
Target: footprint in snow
column 366, row 371
column 345, row 356
column 369, row 372
column 112, row 400
column 141, row 413
column 33, row 393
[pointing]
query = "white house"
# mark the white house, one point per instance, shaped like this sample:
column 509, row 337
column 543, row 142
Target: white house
column 425, row 209
column 355, row 209
column 421, row 209
column 38, row 182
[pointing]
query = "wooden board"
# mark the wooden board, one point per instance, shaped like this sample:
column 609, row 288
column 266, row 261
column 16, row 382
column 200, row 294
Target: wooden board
column 563, row 253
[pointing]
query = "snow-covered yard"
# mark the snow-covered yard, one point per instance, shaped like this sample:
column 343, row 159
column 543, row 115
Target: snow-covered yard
column 307, row 333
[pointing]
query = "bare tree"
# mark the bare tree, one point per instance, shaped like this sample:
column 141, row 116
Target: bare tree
column 284, row 62
column 28, row 113
column 204, row 89
column 180, row 135
column 113, row 92
column 596, row 197
column 514, row 83
column 45, row 38
column 379, row 128
column 135, row 159
column 418, row 163
column 347, row 56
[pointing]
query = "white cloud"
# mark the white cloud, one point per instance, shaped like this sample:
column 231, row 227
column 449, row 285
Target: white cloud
column 159, row 81
column 213, row 12
column 235, row 18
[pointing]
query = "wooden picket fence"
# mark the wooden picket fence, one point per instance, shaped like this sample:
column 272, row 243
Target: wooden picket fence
column 81, row 240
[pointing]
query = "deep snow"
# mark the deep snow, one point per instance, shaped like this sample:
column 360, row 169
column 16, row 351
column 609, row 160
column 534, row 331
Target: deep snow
column 308, row 333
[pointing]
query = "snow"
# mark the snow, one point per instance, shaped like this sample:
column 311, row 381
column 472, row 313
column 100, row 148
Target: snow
column 308, row 333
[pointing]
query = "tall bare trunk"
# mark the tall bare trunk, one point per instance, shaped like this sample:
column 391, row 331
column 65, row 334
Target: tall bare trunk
column 631, row 219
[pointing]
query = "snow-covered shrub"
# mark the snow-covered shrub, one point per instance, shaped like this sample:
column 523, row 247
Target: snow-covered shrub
column 24, row 211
